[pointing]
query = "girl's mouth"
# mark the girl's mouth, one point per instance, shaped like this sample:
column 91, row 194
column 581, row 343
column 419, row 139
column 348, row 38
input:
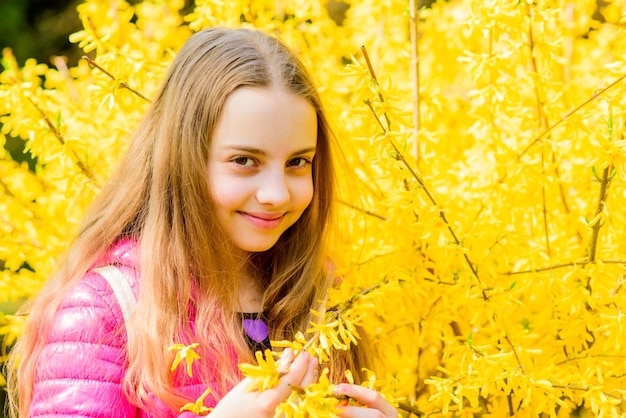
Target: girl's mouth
column 263, row 220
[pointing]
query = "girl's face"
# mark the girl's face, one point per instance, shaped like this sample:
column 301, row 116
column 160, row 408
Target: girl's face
column 260, row 164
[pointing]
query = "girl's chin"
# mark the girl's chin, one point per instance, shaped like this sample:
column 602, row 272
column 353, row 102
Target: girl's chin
column 256, row 247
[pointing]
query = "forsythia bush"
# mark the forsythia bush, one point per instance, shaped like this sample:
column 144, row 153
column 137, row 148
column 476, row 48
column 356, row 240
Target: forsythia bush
column 484, row 241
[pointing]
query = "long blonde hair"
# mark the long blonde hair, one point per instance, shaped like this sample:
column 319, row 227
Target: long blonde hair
column 159, row 195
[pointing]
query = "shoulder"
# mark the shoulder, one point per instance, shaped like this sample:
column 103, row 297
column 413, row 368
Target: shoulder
column 124, row 252
column 124, row 256
column 82, row 363
column 91, row 309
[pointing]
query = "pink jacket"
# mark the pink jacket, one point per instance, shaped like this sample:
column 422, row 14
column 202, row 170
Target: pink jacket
column 80, row 369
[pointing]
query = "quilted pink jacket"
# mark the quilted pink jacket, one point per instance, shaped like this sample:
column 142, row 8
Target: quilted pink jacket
column 81, row 367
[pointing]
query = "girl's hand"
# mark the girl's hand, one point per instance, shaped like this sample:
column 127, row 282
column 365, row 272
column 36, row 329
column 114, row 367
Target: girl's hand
column 241, row 403
column 376, row 405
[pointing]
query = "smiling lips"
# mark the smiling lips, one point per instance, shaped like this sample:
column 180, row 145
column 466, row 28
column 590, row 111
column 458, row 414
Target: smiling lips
column 263, row 220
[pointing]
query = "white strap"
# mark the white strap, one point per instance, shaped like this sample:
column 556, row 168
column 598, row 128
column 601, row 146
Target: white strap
column 121, row 288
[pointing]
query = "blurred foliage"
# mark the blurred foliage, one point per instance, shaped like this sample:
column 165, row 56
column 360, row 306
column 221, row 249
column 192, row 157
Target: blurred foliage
column 37, row 29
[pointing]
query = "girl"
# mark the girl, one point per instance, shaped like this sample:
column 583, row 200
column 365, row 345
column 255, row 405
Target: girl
column 217, row 219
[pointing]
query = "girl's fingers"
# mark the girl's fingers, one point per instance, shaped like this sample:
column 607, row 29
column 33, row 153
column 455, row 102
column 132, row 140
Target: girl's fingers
column 285, row 360
column 367, row 397
column 297, row 371
column 356, row 412
column 311, row 374
column 241, row 402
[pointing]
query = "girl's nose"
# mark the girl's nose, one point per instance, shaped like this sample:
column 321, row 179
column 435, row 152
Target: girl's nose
column 273, row 190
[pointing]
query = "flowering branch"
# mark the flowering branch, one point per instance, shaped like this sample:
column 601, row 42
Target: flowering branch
column 415, row 73
column 59, row 136
column 607, row 175
column 519, row 362
column 543, row 122
column 567, row 116
column 539, row 137
column 563, row 265
column 587, row 389
column 567, row 360
column 380, row 95
column 122, row 84
column 400, row 157
column 365, row 211
column 597, row 222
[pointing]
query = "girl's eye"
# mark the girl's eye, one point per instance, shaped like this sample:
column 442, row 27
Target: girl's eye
column 244, row 161
column 299, row 162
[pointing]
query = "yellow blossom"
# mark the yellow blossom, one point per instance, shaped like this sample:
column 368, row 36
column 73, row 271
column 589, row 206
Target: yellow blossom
column 186, row 353
column 198, row 407
column 265, row 375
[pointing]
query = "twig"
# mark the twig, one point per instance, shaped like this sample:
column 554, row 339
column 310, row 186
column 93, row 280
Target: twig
column 59, row 136
column 567, row 360
column 309, row 343
column 546, row 228
column 509, row 400
column 415, row 73
column 607, row 175
column 563, row 265
column 519, row 362
column 400, row 157
column 538, row 138
column 568, row 114
column 442, row 215
column 587, row 389
column 438, row 281
column 543, row 123
column 521, row 367
column 593, row 246
column 122, row 84
column 478, row 353
column 344, row 306
column 410, row 408
column 6, row 189
column 365, row 211
column 374, row 257
column 373, row 75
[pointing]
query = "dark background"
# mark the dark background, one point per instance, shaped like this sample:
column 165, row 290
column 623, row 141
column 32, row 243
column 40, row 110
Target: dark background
column 39, row 28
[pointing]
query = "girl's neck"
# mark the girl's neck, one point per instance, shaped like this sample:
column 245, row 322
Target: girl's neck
column 251, row 296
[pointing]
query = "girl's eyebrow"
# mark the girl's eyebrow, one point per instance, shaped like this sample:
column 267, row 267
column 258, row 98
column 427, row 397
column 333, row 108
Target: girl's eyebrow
column 258, row 151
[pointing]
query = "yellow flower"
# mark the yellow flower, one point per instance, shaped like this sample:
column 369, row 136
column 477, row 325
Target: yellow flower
column 198, row 407
column 265, row 375
column 187, row 353
column 315, row 400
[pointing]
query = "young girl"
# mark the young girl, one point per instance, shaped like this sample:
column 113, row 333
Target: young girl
column 217, row 219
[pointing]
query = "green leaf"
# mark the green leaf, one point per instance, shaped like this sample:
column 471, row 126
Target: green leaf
column 594, row 170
